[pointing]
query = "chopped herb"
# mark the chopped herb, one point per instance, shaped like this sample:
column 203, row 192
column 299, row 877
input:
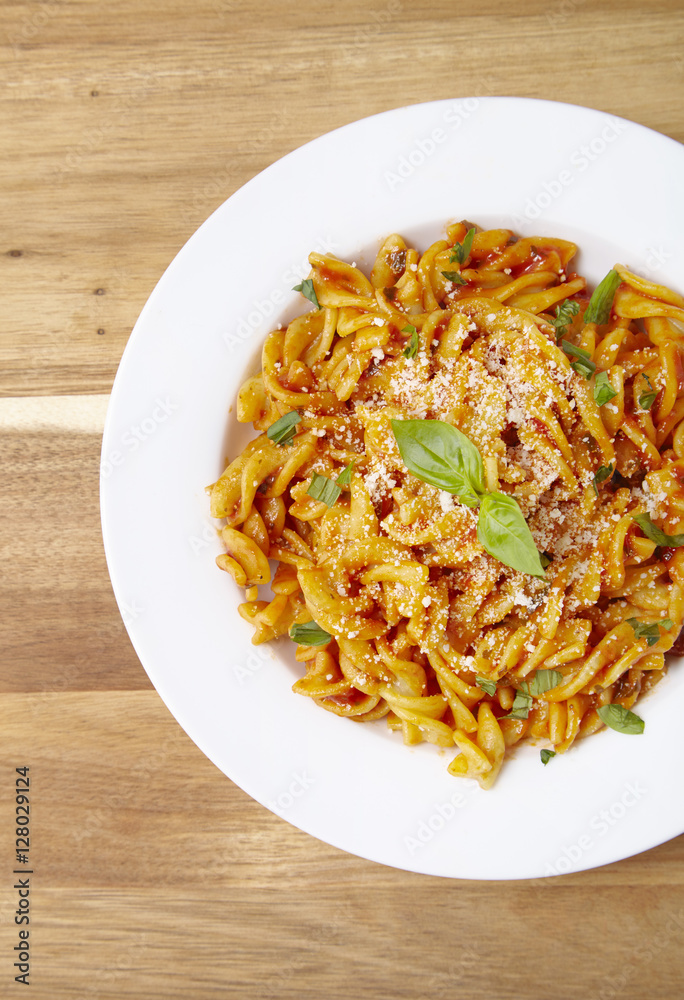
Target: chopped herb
column 650, row 631
column 282, row 431
column 307, row 289
column 564, row 313
column 489, row 687
column 310, row 634
column 546, row 755
column 602, row 473
column 545, row 559
column 603, row 390
column 344, row 478
column 656, row 534
column 544, row 680
column 601, row 302
column 522, row 703
column 455, row 277
column 411, row 349
column 461, row 251
column 323, row 489
column 647, row 399
column 621, row 719
column 584, row 365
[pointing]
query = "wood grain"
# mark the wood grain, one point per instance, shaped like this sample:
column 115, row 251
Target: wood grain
column 125, row 125
column 60, row 628
column 155, row 875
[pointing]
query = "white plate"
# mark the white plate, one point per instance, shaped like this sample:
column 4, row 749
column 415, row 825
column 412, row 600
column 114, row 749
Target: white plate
column 533, row 166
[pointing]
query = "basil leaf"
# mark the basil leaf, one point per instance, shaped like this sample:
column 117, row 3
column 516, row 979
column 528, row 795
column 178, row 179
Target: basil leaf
column 489, row 687
column 306, row 287
column 455, row 277
column 584, row 366
column 563, row 319
column 544, row 680
column 502, row 531
column 621, row 719
column 309, row 634
column 344, row 478
column 282, row 431
column 656, row 534
column 442, row 456
column 603, row 472
column 601, row 302
column 411, row 349
column 461, row 251
column 647, row 399
column 603, row 390
column 650, row 631
column 546, row 755
column 522, row 703
column 323, row 489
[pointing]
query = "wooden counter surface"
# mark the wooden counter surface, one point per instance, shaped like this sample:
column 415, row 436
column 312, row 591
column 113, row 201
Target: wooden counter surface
column 123, row 125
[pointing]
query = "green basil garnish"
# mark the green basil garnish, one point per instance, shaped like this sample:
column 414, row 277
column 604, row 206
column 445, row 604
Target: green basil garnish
column 455, row 277
column 442, row 456
column 621, row 719
column 323, row 489
column 344, row 478
column 601, row 302
column 603, row 472
column 544, row 680
column 656, row 534
column 282, row 431
column 461, row 251
column 603, row 390
column 309, row 634
column 584, row 366
column 489, row 687
column 522, row 703
column 647, row 399
column 564, row 314
column 650, row 631
column 502, row 532
column 307, row 289
column 546, row 755
column 411, row 348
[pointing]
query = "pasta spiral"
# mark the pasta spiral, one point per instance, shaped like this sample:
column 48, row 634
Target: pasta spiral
column 578, row 418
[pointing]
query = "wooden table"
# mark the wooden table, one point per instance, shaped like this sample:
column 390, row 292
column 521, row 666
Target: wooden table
column 122, row 126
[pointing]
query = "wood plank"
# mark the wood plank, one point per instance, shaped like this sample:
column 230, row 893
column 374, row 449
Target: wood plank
column 124, row 131
column 60, row 627
column 141, row 850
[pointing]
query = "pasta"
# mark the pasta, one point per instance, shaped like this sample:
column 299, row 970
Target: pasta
column 468, row 479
